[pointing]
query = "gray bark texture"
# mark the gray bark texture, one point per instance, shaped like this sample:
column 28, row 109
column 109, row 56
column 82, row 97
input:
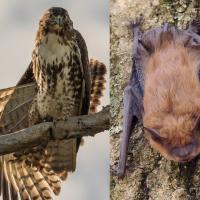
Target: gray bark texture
column 149, row 175
column 79, row 126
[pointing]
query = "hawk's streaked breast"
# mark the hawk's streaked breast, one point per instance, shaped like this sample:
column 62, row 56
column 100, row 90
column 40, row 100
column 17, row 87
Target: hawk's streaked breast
column 59, row 75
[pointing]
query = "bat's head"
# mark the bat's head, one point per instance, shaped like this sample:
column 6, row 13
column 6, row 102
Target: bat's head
column 56, row 19
column 172, row 101
column 180, row 146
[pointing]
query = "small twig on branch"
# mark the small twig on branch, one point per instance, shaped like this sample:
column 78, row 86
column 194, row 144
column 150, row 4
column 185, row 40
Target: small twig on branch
column 85, row 125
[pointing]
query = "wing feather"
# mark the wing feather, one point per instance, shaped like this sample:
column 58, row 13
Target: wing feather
column 86, row 72
column 4, row 97
column 16, row 108
column 14, row 105
column 22, row 189
column 52, row 179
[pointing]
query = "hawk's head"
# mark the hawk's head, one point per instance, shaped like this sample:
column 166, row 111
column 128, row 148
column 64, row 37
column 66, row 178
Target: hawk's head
column 57, row 20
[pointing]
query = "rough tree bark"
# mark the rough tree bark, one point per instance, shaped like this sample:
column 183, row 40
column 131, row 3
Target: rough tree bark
column 148, row 175
column 85, row 125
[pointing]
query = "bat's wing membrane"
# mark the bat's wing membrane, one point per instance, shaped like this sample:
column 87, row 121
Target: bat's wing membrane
column 133, row 98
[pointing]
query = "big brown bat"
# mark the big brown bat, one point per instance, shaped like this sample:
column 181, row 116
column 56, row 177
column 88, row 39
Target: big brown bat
column 164, row 91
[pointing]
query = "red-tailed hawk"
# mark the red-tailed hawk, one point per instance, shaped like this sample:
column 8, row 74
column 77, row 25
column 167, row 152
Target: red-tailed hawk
column 56, row 85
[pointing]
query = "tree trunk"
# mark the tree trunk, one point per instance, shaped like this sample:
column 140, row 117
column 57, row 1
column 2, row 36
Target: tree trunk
column 148, row 175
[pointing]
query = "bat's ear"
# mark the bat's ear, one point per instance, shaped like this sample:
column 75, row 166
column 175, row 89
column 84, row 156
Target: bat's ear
column 155, row 135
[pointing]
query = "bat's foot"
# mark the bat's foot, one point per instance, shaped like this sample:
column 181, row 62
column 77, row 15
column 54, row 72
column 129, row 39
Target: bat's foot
column 137, row 22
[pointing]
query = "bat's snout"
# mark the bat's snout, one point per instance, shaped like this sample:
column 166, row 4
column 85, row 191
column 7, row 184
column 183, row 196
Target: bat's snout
column 185, row 153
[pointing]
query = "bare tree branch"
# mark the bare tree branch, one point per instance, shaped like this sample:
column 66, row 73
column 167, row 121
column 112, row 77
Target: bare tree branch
column 85, row 125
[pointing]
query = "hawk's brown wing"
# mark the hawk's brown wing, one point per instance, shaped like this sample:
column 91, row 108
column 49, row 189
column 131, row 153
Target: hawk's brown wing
column 86, row 77
column 86, row 72
column 14, row 106
column 4, row 97
column 15, row 103
column 94, row 77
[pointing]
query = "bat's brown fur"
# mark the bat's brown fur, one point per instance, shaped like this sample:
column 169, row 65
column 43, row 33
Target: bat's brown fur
column 172, row 96
column 164, row 91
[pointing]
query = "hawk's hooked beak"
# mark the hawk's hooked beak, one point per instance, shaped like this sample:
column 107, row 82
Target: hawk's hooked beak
column 59, row 21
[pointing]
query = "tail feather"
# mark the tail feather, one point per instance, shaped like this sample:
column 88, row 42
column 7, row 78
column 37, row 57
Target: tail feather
column 21, row 187
column 40, row 184
column 36, row 177
column 98, row 71
column 5, row 184
column 26, row 180
column 52, row 179
column 60, row 156
column 63, row 175
column 5, row 188
column 13, row 188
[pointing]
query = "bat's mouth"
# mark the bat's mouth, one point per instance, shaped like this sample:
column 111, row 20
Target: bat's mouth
column 184, row 160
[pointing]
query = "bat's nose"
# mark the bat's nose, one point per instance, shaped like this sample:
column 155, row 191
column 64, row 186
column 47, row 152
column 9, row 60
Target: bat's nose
column 184, row 153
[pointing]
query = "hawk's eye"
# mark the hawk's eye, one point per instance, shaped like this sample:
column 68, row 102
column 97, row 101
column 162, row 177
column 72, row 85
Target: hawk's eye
column 52, row 20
